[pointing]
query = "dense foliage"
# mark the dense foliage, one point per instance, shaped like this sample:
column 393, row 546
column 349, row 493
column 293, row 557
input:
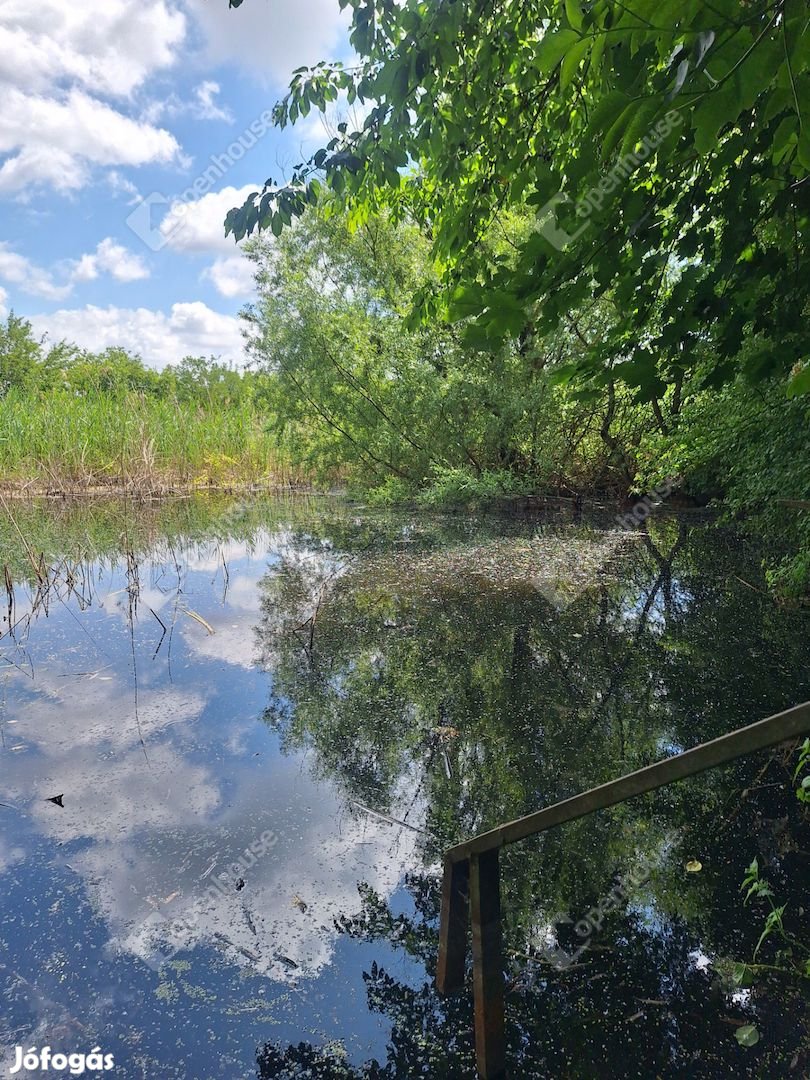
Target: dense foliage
column 356, row 388
column 663, row 143
column 70, row 417
column 657, row 155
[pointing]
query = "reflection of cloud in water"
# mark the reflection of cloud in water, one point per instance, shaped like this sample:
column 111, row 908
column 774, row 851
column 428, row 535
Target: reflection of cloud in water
column 88, row 748
column 9, row 854
column 98, row 712
column 311, row 865
column 154, row 828
column 233, row 640
column 117, row 602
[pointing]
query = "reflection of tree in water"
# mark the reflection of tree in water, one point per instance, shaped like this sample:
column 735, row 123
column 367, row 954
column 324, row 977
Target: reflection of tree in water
column 637, row 1006
column 448, row 674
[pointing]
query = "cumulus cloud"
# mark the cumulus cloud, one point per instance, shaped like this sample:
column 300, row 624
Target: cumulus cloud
column 270, row 37
column 231, row 276
column 20, row 271
column 57, row 61
column 198, row 227
column 55, row 142
column 108, row 258
column 107, row 46
column 113, row 259
column 189, row 329
column 3, row 303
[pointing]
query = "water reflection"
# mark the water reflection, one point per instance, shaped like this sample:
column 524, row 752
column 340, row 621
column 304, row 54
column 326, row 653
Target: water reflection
column 370, row 689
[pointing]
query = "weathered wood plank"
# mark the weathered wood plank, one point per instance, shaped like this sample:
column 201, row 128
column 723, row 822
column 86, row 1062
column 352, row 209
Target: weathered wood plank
column 488, row 989
column 453, row 926
column 765, row 733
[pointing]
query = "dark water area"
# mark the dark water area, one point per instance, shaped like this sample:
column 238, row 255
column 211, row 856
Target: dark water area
column 265, row 722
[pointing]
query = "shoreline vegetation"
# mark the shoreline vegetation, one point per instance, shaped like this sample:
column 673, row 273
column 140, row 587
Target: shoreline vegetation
column 344, row 389
column 72, row 422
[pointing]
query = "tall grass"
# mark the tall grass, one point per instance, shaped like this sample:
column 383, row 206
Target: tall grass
column 57, row 441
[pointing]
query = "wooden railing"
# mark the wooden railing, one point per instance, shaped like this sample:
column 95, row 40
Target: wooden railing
column 471, row 886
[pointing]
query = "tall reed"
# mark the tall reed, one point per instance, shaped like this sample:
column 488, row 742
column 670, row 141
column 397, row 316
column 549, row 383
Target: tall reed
column 57, row 440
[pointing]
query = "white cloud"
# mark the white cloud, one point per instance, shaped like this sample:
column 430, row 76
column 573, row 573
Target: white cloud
column 198, row 227
column 271, row 37
column 202, row 105
column 159, row 338
column 231, row 276
column 18, row 270
column 54, row 141
column 108, row 258
column 120, row 185
column 56, row 61
column 107, row 46
column 113, row 259
column 3, row 303
column 205, row 107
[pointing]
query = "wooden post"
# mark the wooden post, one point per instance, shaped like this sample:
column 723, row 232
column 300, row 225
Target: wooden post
column 488, row 991
column 453, row 926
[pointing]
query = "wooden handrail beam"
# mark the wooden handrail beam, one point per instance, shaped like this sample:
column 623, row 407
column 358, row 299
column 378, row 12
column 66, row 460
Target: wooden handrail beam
column 471, row 870
column 759, row 736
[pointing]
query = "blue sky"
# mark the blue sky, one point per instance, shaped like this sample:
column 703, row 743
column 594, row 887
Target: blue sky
column 110, row 102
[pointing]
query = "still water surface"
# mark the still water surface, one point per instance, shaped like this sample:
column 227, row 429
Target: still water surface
column 267, row 720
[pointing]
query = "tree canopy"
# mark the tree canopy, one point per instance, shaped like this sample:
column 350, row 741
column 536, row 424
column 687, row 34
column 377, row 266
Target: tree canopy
column 662, row 144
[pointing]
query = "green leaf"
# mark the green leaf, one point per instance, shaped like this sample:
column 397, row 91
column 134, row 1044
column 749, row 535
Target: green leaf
column 552, row 48
column 604, row 114
column 800, row 382
column 574, row 13
column 719, row 108
column 640, row 125
column 742, row 975
column 618, row 128
column 466, row 300
column 784, row 138
column 573, row 58
column 747, row 1035
column 803, row 146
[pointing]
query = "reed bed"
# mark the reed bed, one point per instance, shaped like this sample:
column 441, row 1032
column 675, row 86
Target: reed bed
column 58, row 441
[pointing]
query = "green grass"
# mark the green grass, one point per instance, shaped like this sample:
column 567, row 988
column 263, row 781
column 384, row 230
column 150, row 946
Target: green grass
column 57, row 440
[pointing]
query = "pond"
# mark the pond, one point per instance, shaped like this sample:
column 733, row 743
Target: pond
column 236, row 738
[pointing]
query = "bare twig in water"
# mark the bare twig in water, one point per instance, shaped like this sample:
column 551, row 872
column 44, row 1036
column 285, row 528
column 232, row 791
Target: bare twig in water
column 389, row 819
column 748, row 585
column 198, row 618
column 36, row 565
